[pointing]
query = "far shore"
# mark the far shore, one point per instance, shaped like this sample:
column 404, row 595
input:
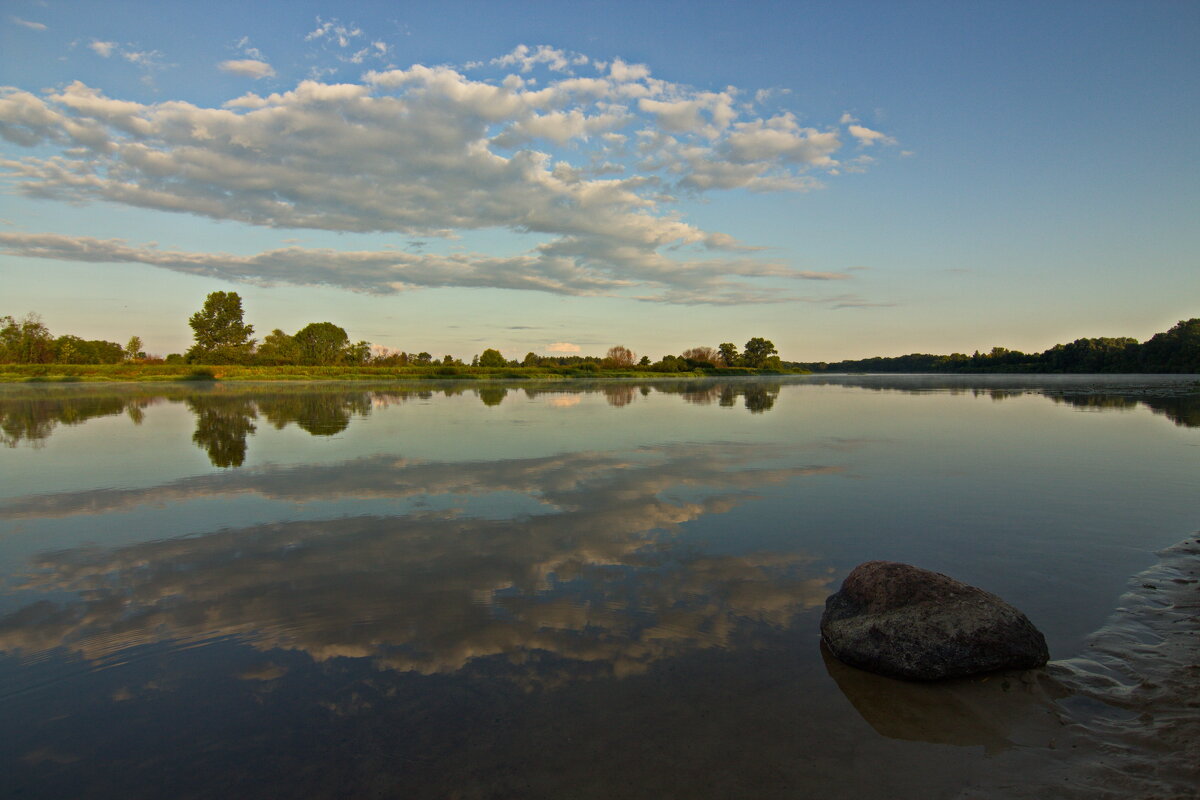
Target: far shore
column 166, row 373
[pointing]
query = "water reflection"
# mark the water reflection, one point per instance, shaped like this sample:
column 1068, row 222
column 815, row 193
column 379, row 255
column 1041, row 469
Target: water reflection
column 1177, row 397
column 597, row 581
column 31, row 417
column 225, row 415
column 222, row 425
column 1182, row 409
column 994, row 711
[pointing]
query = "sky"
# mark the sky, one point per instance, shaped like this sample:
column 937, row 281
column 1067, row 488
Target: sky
column 846, row 179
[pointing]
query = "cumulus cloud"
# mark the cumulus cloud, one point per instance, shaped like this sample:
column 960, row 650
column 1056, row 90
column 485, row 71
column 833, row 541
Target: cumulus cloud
column 527, row 58
column 867, row 137
column 562, row 347
column 590, row 167
column 249, row 68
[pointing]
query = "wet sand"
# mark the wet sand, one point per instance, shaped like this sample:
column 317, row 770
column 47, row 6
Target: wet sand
column 1136, row 707
column 1120, row 720
column 1127, row 708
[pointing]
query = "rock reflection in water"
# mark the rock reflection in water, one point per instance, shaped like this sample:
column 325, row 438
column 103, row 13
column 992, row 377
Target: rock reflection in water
column 990, row 711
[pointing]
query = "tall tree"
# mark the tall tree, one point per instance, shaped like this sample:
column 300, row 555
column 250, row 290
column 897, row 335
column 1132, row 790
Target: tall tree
column 221, row 336
column 702, row 356
column 492, row 358
column 276, row 348
column 728, row 353
column 321, row 343
column 620, row 356
column 1176, row 350
column 25, row 342
column 757, row 351
column 134, row 348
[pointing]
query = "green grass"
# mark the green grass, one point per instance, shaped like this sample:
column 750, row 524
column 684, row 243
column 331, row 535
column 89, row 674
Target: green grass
column 142, row 373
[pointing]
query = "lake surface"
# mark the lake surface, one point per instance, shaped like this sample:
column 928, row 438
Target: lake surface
column 570, row 590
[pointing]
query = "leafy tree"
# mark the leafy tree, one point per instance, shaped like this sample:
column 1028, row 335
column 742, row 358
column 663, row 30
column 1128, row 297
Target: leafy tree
column 757, row 351
column 321, row 344
column 671, row 364
column 73, row 350
column 66, row 351
column 492, row 358
column 25, row 342
column 701, row 356
column 359, row 353
column 620, row 357
column 276, row 348
column 1176, row 350
column 422, row 358
column 645, row 361
column 728, row 353
column 221, row 336
column 134, row 348
column 531, row 360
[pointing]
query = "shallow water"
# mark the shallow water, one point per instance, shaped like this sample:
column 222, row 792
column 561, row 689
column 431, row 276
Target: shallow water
column 606, row 590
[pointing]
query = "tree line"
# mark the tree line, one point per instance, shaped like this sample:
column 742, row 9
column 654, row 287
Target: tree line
column 1174, row 351
column 29, row 341
column 222, row 337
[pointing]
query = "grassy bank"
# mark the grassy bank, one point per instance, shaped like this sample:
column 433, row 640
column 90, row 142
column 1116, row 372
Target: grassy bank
column 143, row 373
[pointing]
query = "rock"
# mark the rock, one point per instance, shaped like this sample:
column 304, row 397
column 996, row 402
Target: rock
column 907, row 622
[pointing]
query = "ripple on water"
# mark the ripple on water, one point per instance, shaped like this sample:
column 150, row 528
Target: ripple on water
column 1133, row 713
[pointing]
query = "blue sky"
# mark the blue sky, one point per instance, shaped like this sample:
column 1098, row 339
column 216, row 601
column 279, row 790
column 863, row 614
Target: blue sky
column 846, row 179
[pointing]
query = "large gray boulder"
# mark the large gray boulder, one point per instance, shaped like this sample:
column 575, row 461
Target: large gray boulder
column 907, row 622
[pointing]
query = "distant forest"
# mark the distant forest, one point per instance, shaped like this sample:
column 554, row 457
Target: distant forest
column 1173, row 351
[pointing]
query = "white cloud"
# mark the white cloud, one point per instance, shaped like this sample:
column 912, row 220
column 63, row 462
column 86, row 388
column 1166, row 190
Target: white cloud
column 243, row 44
column 562, row 347
column 102, row 49
column 33, row 26
column 868, row 137
column 426, row 151
column 248, row 68
column 527, row 58
column 334, row 31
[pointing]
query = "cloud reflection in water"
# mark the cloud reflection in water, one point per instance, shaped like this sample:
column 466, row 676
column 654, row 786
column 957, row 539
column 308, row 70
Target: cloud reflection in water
column 599, row 581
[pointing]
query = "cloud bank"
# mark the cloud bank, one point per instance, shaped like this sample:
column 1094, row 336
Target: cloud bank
column 591, row 166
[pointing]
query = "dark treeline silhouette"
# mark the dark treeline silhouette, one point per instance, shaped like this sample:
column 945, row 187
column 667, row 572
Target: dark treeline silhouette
column 1173, row 351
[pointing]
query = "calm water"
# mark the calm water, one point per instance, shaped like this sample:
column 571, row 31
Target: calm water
column 597, row 591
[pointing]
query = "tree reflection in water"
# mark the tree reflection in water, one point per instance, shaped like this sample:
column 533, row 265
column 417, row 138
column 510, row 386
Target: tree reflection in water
column 222, row 425
column 225, row 415
column 492, row 395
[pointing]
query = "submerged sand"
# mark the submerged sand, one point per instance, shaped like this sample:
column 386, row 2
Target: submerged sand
column 1135, row 708
column 1127, row 709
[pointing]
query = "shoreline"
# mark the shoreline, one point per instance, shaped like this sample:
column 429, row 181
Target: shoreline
column 1120, row 720
column 201, row 374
